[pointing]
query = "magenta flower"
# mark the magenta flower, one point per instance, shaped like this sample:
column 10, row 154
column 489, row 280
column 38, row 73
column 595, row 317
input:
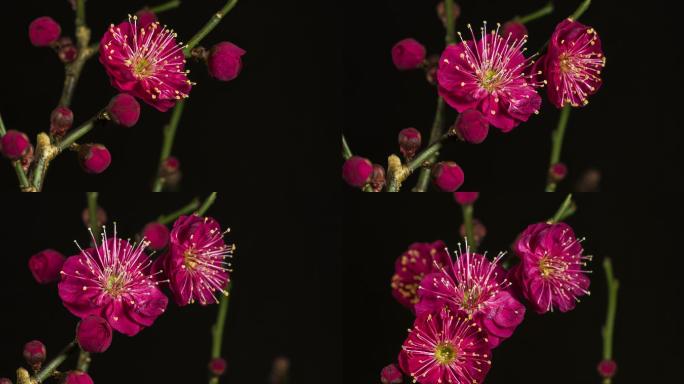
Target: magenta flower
column 572, row 65
column 146, row 62
column 550, row 272
column 45, row 265
column 419, row 260
column 446, row 347
column 489, row 75
column 477, row 287
column 196, row 263
column 111, row 281
column 94, row 334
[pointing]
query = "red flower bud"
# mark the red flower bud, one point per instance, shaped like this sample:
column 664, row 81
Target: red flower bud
column 465, row 198
column 357, row 171
column 14, row 144
column 124, row 110
column 391, row 375
column 157, row 234
column 447, row 176
column 61, row 120
column 408, row 54
column 607, row 368
column 46, row 265
column 471, row 126
column 94, row 334
column 44, row 31
column 409, row 142
column 77, row 377
column 225, row 61
column 94, row 158
column 217, row 366
column 34, row 353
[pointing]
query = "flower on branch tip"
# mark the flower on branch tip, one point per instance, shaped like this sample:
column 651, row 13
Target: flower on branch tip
column 550, row 273
column 45, row 266
column 572, row 64
column 391, row 375
column 357, row 171
column 145, row 61
column 196, row 264
column 225, row 61
column 14, row 144
column 489, row 74
column 447, row 176
column 94, row 158
column 408, row 54
column 94, row 334
column 112, row 281
column 417, row 261
column 446, row 346
column 77, row 377
column 44, row 31
column 478, row 287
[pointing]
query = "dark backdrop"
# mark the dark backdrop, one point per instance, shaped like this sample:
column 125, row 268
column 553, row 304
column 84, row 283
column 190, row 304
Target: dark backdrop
column 285, row 297
column 269, row 128
column 628, row 130
column 635, row 232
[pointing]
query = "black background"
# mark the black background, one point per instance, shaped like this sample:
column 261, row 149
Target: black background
column 629, row 130
column 636, row 232
column 285, row 297
column 269, row 128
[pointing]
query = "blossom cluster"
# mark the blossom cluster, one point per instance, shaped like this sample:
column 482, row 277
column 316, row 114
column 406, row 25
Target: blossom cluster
column 468, row 306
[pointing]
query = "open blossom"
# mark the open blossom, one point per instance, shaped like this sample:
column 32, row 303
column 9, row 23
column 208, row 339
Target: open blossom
column 489, row 74
column 111, row 281
column 196, row 264
column 573, row 63
column 145, row 61
column 446, row 346
column 478, row 287
column 550, row 271
column 419, row 260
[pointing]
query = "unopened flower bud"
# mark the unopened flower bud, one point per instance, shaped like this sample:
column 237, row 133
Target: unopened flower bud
column 44, row 31
column 77, row 377
column 34, row 354
column 471, row 126
column 409, row 142
column 46, row 265
column 124, row 110
column 391, row 375
column 441, row 12
column 479, row 231
column 217, row 366
column 94, row 334
column 66, row 50
column 145, row 17
column 27, row 159
column 357, row 171
column 465, row 198
column 100, row 214
column 170, row 171
column 607, row 368
column 431, row 66
column 225, row 61
column 408, row 54
column 61, row 120
column 157, row 234
column 378, row 178
column 557, row 172
column 4, row 380
column 516, row 30
column 447, row 176
column 94, row 158
column 14, row 144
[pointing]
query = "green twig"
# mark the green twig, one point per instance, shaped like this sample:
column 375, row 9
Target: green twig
column 217, row 329
column 346, row 151
column 541, row 12
column 21, row 175
column 207, row 203
column 424, row 158
column 49, row 368
column 557, row 143
column 185, row 210
column 166, row 6
column 580, row 10
column 92, row 216
column 167, row 144
column 468, row 224
column 208, row 27
column 607, row 330
column 566, row 209
column 450, row 37
column 435, row 134
column 83, row 362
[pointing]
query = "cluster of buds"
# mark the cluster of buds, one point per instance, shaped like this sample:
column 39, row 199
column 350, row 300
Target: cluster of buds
column 46, row 32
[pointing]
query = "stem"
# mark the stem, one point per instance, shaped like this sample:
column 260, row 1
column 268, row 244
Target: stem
column 607, row 331
column 346, row 152
column 397, row 176
column 50, row 367
column 566, row 209
column 557, row 143
column 21, row 175
column 217, row 329
column 207, row 203
column 83, row 362
column 80, row 13
column 450, row 37
column 468, row 223
column 435, row 134
column 166, row 6
column 167, row 143
column 187, row 209
column 72, row 71
column 78, row 132
column 92, row 215
column 580, row 10
column 541, row 12
column 211, row 24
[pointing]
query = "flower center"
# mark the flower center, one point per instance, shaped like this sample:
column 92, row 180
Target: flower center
column 445, row 353
column 190, row 260
column 489, row 80
column 114, row 285
column 142, row 68
column 470, row 299
column 549, row 267
column 566, row 65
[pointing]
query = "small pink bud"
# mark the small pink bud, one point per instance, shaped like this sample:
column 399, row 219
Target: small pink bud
column 94, row 334
column 66, row 50
column 471, row 126
column 408, row 54
column 409, row 142
column 157, row 234
column 217, row 366
column 441, row 12
column 145, row 17
column 515, row 29
column 94, row 158
column 46, row 265
column 4, row 380
column 479, row 231
column 431, row 66
column 465, row 198
column 27, row 158
column 607, row 368
column 34, row 354
column 557, row 172
column 170, row 171
column 124, row 109
column 224, row 62
column 171, row 164
column 61, row 120
column 14, row 144
column 357, row 171
column 77, row 377
column 44, row 31
column 391, row 375
column 378, row 178
column 101, row 216
column 447, row 176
